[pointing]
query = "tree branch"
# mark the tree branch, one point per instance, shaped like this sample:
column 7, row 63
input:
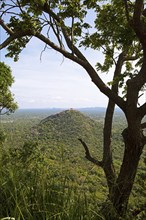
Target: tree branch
column 88, row 156
column 107, row 131
column 137, row 23
column 56, row 32
column 47, row 9
column 59, row 49
column 7, row 42
column 15, row 36
column 134, row 85
column 138, row 8
column 132, row 58
column 7, row 29
column 126, row 10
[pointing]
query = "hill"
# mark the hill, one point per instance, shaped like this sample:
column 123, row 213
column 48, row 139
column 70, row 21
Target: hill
column 66, row 127
column 46, row 175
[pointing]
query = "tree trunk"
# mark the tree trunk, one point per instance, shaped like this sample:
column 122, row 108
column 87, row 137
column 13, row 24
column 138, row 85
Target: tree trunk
column 108, row 165
column 123, row 186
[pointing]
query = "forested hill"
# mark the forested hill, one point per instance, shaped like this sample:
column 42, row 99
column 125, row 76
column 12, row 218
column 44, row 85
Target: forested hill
column 66, row 127
column 44, row 172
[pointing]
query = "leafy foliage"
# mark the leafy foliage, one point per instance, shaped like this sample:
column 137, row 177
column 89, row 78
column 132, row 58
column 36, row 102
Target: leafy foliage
column 41, row 180
column 7, row 104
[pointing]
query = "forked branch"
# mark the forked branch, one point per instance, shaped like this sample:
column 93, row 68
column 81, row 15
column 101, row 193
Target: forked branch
column 88, row 155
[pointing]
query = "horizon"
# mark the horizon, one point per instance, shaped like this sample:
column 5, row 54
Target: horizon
column 100, row 107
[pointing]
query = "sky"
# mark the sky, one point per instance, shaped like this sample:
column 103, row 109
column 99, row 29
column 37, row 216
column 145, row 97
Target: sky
column 52, row 81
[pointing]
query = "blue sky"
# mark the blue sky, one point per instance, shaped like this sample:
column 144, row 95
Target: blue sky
column 52, row 81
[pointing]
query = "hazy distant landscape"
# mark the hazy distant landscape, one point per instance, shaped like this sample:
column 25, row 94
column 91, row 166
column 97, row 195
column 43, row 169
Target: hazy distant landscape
column 42, row 113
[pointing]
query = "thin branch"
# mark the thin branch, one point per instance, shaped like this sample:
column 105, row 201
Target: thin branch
column 61, row 50
column 43, row 52
column 19, row 5
column 56, row 32
column 8, row 11
column 14, row 2
column 132, row 58
column 72, row 33
column 105, row 51
column 47, row 9
column 88, row 156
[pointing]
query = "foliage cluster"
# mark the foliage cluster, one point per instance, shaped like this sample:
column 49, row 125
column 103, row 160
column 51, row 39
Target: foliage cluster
column 7, row 104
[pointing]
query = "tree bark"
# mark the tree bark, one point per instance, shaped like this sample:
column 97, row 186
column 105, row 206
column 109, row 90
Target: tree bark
column 123, row 186
column 108, row 165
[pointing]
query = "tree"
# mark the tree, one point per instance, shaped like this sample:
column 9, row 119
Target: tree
column 7, row 104
column 120, row 33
